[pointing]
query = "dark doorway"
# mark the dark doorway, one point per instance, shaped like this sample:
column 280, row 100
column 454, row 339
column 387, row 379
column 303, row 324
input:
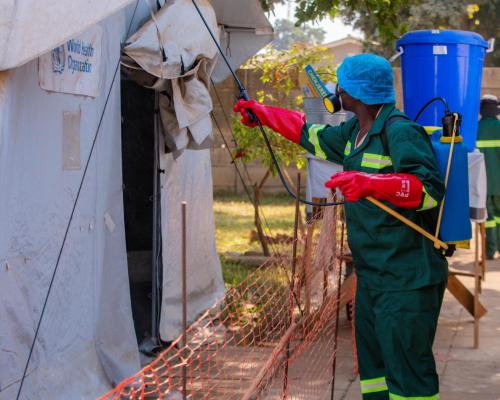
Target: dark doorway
column 137, row 106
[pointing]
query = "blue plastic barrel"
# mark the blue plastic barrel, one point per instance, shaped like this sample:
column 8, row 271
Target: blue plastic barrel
column 455, row 223
column 443, row 63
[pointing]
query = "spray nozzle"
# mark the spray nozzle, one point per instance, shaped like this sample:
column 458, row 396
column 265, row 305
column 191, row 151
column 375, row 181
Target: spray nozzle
column 451, row 121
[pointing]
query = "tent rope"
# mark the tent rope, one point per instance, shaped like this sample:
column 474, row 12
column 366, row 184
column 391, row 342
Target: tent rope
column 245, row 186
column 262, row 220
column 228, row 123
column 275, row 252
column 72, row 214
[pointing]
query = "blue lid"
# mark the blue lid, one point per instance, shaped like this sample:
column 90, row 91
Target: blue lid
column 442, row 37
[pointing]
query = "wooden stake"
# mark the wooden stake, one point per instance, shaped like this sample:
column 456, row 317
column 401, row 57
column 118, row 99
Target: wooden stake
column 477, row 283
column 307, row 263
column 337, row 311
column 464, row 296
column 292, row 281
column 482, row 227
column 184, row 297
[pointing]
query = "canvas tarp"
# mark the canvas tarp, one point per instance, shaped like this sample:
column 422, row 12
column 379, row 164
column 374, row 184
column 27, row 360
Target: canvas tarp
column 477, row 186
column 188, row 178
column 166, row 46
column 86, row 340
column 182, row 57
column 244, row 30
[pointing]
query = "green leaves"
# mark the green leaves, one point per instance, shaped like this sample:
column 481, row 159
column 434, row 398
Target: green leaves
column 279, row 72
column 286, row 34
column 384, row 21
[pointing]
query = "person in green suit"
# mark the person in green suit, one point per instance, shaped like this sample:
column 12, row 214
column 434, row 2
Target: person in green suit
column 401, row 275
column 488, row 142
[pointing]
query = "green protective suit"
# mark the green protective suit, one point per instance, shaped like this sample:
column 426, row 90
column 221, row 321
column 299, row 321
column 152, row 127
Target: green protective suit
column 397, row 268
column 488, row 142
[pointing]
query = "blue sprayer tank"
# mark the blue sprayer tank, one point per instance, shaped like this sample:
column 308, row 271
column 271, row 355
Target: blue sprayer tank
column 444, row 63
column 455, row 223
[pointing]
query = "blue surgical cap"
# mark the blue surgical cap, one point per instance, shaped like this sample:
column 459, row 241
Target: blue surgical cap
column 368, row 78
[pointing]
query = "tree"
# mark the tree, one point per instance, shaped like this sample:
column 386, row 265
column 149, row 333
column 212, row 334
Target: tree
column 384, row 21
column 286, row 34
column 481, row 17
column 278, row 71
column 386, row 13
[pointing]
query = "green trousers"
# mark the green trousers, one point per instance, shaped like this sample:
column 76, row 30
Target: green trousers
column 493, row 226
column 394, row 336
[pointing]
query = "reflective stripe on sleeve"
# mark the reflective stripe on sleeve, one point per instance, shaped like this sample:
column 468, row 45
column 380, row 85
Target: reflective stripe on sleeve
column 481, row 144
column 393, row 396
column 375, row 161
column 428, row 202
column 373, row 385
column 314, row 140
column 490, row 224
column 347, row 149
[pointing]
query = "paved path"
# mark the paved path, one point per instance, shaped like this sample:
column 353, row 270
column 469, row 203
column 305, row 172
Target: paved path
column 465, row 373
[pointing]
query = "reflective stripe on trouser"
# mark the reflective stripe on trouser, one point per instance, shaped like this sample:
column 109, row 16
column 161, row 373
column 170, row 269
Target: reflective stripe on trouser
column 373, row 385
column 393, row 396
column 394, row 336
column 493, row 225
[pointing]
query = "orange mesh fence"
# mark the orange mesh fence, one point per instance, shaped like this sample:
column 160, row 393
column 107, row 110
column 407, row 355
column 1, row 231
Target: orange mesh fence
column 262, row 340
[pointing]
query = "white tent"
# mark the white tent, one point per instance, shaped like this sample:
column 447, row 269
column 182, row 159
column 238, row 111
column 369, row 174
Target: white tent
column 50, row 111
column 86, row 340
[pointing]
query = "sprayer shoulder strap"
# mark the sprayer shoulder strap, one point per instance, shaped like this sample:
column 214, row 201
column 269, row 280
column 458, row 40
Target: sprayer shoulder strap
column 388, row 122
column 429, row 216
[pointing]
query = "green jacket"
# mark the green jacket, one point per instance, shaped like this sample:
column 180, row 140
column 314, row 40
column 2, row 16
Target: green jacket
column 488, row 142
column 388, row 254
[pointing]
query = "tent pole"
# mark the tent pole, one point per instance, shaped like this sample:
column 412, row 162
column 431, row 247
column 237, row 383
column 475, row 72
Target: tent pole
column 155, row 258
column 184, row 299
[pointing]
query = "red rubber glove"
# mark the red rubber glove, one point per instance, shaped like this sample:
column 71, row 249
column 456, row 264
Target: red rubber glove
column 402, row 190
column 286, row 122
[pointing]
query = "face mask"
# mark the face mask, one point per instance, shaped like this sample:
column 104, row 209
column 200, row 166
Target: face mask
column 333, row 101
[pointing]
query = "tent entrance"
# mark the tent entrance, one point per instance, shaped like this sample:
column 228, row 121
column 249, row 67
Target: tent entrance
column 138, row 158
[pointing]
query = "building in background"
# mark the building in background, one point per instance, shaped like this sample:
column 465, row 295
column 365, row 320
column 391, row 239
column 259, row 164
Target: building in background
column 345, row 47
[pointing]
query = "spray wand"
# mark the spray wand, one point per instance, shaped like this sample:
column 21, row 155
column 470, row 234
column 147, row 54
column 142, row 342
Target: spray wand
column 243, row 94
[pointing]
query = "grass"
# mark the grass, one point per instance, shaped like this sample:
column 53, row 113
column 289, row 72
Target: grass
column 234, row 216
column 252, row 312
column 233, row 272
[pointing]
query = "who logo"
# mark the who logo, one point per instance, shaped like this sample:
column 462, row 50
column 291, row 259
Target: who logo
column 58, row 59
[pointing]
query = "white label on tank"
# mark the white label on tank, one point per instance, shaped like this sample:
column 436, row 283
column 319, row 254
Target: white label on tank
column 437, row 50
